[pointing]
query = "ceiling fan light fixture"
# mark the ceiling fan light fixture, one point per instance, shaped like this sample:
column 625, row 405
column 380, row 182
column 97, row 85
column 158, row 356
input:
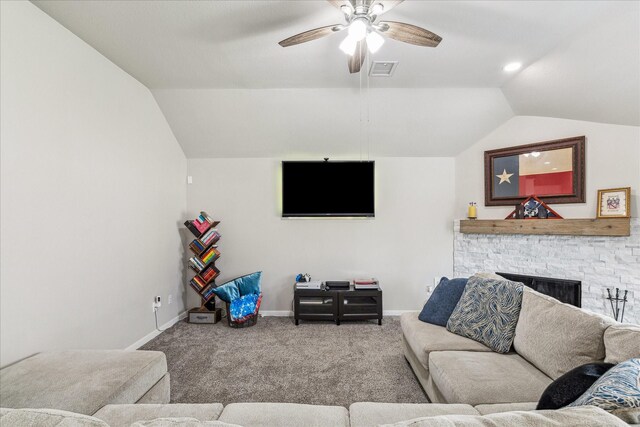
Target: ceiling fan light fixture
column 345, row 9
column 377, row 9
column 348, row 45
column 374, row 41
column 358, row 29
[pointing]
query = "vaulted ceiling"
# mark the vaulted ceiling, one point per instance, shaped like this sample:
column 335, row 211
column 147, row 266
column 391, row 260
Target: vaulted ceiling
column 228, row 89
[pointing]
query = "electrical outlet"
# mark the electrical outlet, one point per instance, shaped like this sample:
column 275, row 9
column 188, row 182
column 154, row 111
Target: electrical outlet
column 169, row 299
column 157, row 303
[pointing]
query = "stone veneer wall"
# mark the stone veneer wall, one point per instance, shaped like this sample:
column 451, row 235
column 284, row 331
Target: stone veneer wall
column 599, row 262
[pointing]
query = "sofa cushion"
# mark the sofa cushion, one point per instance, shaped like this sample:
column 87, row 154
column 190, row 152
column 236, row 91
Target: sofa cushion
column 585, row 417
column 496, row 408
column 80, row 381
column 284, row 415
column 476, row 377
column 423, row 338
column 370, row 414
column 558, row 337
column 487, row 312
column 628, row 415
column 442, row 301
column 618, row 388
column 621, row 342
column 47, row 418
column 568, row 387
column 124, row 415
column 181, row 422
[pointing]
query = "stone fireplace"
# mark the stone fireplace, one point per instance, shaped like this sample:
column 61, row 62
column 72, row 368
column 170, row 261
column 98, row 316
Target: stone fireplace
column 598, row 262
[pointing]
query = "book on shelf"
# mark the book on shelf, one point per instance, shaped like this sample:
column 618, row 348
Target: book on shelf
column 197, row 283
column 210, row 255
column 197, row 247
column 192, row 228
column 196, row 263
column 207, row 293
column 368, row 281
column 211, row 236
column 201, row 226
column 366, row 284
column 364, row 287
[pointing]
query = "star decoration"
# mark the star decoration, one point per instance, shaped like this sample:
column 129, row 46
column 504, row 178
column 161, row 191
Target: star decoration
column 504, row 177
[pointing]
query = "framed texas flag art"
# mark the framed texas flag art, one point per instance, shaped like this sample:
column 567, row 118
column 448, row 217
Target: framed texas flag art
column 552, row 171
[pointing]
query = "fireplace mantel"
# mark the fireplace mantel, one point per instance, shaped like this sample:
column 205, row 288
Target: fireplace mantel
column 562, row 227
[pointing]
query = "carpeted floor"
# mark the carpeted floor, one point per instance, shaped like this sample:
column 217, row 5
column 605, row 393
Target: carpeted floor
column 276, row 361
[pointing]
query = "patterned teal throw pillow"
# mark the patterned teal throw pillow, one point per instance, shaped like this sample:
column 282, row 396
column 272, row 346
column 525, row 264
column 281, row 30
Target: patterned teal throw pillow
column 488, row 312
column 618, row 388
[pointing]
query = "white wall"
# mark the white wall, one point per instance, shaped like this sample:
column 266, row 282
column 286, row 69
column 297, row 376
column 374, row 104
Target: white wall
column 612, row 160
column 407, row 244
column 418, row 122
column 93, row 193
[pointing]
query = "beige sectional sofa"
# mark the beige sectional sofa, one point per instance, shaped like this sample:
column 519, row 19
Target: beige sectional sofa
column 469, row 384
column 551, row 338
column 365, row 414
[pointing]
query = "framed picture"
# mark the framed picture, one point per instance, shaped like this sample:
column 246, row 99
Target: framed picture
column 614, row 203
column 552, row 171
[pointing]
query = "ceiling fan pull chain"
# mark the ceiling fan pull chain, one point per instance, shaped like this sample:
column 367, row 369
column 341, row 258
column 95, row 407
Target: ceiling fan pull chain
column 360, row 104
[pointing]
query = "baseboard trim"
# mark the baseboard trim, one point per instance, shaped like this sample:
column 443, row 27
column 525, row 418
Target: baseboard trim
column 277, row 313
column 396, row 312
column 151, row 335
column 285, row 313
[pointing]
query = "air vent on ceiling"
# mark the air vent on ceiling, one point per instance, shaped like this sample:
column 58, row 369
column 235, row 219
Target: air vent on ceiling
column 383, row 68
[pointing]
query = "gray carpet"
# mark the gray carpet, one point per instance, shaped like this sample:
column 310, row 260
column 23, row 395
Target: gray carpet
column 276, row 361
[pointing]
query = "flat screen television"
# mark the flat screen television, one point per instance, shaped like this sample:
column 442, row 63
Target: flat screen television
column 328, row 189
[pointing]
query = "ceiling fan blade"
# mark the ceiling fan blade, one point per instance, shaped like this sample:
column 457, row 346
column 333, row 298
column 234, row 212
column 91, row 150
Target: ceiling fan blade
column 409, row 33
column 307, row 36
column 357, row 59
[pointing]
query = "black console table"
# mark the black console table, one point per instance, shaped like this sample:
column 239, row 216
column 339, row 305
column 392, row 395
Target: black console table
column 337, row 304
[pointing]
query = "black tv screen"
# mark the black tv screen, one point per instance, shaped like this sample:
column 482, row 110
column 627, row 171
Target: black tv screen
column 326, row 189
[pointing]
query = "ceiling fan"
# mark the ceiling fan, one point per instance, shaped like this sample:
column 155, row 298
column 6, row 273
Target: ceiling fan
column 365, row 31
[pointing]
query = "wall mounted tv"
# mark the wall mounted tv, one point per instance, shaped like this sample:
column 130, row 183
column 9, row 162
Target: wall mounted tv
column 328, row 189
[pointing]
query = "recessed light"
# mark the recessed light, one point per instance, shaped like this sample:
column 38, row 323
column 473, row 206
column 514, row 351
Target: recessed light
column 514, row 66
column 547, row 163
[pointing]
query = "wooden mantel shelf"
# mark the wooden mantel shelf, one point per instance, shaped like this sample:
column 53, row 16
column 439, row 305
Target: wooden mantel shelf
column 562, row 227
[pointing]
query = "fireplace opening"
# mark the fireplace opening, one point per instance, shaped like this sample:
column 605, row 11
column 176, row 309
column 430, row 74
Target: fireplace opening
column 567, row 291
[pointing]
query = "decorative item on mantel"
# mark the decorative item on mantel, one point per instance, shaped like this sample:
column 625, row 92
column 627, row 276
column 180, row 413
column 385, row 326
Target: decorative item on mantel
column 614, row 203
column 533, row 208
column 472, row 211
column 618, row 312
column 203, row 262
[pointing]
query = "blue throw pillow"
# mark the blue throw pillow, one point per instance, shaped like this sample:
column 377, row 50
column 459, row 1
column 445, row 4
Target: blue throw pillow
column 442, row 301
column 488, row 312
column 249, row 284
column 227, row 292
column 618, row 388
